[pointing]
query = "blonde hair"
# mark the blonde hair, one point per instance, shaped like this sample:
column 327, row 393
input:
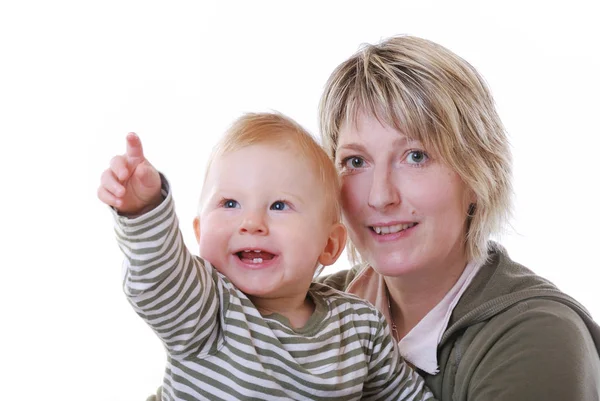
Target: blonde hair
column 431, row 95
column 281, row 131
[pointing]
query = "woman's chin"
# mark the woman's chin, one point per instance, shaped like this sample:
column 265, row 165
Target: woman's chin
column 394, row 265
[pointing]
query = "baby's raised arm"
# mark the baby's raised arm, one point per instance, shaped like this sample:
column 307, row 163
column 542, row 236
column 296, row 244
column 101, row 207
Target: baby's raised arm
column 172, row 290
column 131, row 184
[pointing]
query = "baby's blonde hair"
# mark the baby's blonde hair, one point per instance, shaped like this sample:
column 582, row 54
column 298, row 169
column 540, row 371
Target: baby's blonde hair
column 281, row 131
column 431, row 95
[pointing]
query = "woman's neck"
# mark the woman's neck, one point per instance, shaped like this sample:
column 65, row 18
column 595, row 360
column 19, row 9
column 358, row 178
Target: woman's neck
column 414, row 295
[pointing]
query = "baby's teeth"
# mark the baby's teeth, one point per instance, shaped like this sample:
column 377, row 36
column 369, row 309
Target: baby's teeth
column 257, row 250
column 257, row 260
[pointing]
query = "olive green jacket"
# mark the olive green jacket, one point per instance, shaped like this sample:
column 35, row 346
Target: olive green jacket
column 513, row 336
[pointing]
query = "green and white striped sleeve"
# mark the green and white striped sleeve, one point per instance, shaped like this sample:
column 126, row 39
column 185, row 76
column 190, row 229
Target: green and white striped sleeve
column 389, row 376
column 167, row 286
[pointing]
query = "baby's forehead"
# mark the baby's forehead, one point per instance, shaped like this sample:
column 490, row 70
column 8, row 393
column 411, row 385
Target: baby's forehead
column 267, row 145
column 271, row 160
column 288, row 152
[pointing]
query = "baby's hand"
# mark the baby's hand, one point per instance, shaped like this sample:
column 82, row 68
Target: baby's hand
column 131, row 184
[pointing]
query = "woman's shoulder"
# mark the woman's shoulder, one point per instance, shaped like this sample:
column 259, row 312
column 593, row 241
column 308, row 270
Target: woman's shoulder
column 501, row 284
column 539, row 337
column 541, row 319
column 500, row 281
column 511, row 314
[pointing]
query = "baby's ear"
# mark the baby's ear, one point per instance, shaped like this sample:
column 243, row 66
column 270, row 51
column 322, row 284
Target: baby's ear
column 335, row 245
column 197, row 228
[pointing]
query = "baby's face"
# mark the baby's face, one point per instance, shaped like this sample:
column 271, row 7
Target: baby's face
column 263, row 222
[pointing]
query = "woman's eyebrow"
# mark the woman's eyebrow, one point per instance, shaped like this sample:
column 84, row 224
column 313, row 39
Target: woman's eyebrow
column 401, row 141
column 351, row 146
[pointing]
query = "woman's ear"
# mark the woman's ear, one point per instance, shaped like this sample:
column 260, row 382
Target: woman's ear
column 334, row 246
column 197, row 228
column 471, row 201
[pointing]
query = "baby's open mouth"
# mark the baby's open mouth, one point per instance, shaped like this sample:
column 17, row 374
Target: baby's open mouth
column 255, row 256
column 382, row 230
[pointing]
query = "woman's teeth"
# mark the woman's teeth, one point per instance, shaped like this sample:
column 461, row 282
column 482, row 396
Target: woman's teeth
column 392, row 229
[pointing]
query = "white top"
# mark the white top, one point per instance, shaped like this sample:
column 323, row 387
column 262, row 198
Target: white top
column 419, row 346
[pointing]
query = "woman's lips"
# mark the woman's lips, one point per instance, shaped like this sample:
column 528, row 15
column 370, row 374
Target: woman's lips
column 391, row 228
column 391, row 232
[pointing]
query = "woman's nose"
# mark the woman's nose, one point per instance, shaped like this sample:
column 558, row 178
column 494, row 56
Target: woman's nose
column 254, row 223
column 383, row 192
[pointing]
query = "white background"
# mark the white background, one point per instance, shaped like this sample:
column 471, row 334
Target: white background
column 76, row 76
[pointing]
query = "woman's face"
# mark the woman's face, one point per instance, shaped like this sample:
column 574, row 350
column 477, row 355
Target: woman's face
column 405, row 210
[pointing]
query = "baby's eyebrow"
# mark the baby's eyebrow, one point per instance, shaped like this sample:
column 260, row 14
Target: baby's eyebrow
column 292, row 196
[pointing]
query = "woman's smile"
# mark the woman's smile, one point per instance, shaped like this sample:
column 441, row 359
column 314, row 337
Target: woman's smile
column 393, row 232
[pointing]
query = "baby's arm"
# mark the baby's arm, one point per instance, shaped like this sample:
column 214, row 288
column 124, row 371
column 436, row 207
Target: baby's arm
column 167, row 286
column 389, row 376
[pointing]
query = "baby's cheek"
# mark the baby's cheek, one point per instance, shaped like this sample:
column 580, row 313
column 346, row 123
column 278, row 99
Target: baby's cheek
column 210, row 248
column 206, row 253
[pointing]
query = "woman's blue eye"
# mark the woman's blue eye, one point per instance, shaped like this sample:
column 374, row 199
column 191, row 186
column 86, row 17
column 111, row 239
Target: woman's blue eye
column 279, row 205
column 416, row 157
column 230, row 204
column 353, row 162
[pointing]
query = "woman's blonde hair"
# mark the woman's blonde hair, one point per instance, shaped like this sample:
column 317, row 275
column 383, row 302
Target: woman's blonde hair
column 430, row 94
column 283, row 132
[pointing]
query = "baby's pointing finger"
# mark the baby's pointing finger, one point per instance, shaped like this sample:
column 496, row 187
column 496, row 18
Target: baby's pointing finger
column 135, row 152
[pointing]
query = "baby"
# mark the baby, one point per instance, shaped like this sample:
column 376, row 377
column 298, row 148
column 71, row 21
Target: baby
column 245, row 321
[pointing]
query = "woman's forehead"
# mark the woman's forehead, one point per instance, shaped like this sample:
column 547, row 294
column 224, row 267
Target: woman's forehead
column 364, row 127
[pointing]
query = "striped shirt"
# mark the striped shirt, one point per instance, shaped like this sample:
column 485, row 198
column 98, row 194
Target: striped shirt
column 220, row 347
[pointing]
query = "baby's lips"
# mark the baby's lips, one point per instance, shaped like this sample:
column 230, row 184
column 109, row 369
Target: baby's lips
column 264, row 255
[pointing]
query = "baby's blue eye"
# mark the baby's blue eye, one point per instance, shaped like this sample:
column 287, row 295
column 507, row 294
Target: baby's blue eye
column 279, row 205
column 230, row 204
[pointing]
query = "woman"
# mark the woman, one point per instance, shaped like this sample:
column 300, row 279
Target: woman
column 425, row 167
